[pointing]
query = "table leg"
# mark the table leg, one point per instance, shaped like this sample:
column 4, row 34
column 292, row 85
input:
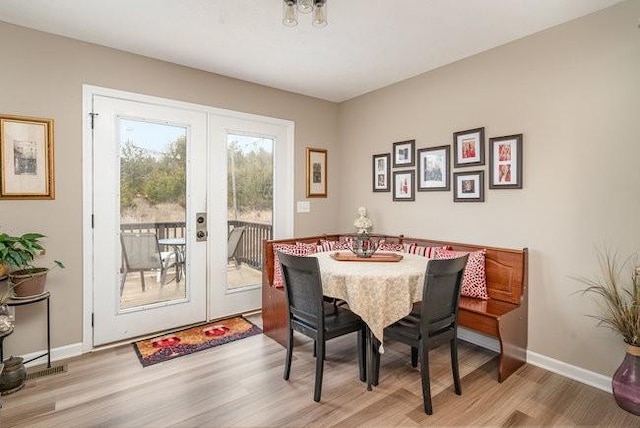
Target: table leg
column 48, row 335
column 369, row 359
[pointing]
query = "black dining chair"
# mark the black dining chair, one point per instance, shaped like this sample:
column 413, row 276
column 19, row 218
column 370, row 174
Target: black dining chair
column 310, row 315
column 435, row 324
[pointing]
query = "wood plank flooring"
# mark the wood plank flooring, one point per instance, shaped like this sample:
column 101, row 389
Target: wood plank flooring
column 240, row 384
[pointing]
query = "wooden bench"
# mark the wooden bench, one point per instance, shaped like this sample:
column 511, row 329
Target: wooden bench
column 504, row 316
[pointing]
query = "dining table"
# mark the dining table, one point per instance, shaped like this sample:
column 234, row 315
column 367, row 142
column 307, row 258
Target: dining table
column 381, row 292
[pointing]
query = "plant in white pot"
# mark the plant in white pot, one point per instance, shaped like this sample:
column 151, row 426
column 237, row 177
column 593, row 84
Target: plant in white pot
column 18, row 252
column 619, row 301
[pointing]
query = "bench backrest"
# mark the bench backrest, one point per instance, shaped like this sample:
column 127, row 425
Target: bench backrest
column 506, row 268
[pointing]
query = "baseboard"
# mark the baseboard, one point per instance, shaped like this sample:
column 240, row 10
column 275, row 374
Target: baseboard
column 572, row 372
column 556, row 366
column 60, row 353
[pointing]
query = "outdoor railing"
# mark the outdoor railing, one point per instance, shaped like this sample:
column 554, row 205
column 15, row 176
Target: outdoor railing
column 249, row 249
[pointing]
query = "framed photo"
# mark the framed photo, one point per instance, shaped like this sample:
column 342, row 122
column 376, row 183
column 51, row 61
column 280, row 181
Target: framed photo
column 381, row 172
column 403, row 153
column 316, row 173
column 403, row 185
column 26, row 158
column 433, row 169
column 468, row 186
column 468, row 147
column 505, row 162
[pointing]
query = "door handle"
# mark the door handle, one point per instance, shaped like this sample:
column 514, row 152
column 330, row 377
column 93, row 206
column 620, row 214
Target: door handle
column 201, row 227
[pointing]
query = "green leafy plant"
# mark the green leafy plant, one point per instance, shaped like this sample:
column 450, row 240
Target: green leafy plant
column 619, row 299
column 19, row 251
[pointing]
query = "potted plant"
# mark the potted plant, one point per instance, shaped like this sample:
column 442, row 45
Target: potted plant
column 619, row 301
column 18, row 252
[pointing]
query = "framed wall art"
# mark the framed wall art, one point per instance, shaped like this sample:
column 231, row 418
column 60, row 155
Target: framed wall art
column 316, row 173
column 433, row 169
column 381, row 172
column 403, row 185
column 505, row 162
column 26, row 158
column 468, row 147
column 403, row 153
column 468, row 186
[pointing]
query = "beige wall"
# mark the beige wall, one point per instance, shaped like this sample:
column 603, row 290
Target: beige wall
column 42, row 75
column 574, row 92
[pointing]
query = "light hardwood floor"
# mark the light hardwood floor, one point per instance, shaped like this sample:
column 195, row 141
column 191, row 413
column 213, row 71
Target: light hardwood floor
column 240, row 384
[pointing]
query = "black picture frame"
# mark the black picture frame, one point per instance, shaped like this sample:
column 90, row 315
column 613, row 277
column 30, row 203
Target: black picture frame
column 468, row 148
column 404, row 154
column 434, row 169
column 468, row 186
column 381, row 172
column 505, row 162
column 404, row 185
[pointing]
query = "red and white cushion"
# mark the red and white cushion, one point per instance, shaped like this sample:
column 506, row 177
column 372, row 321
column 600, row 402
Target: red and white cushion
column 390, row 246
column 428, row 252
column 474, row 281
column 297, row 249
column 332, row 245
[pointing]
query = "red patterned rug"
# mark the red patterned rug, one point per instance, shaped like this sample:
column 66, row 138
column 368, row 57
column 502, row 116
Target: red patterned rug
column 173, row 345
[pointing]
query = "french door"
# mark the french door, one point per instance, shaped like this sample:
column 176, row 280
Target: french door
column 168, row 198
column 149, row 203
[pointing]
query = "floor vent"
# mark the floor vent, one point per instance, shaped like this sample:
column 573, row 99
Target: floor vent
column 46, row 372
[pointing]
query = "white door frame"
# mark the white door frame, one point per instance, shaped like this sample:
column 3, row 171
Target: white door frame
column 283, row 226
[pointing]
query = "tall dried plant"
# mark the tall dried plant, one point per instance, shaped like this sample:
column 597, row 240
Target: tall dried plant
column 619, row 300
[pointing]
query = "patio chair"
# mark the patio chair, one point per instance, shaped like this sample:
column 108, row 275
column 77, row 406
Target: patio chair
column 141, row 253
column 232, row 244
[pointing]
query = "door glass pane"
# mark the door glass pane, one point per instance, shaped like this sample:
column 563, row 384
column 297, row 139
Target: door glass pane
column 152, row 212
column 249, row 206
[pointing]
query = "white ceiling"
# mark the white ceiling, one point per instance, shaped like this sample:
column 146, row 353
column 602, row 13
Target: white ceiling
column 367, row 45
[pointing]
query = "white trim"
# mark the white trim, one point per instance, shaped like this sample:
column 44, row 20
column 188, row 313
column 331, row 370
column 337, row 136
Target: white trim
column 87, row 231
column 572, row 372
column 481, row 340
column 556, row 366
column 60, row 353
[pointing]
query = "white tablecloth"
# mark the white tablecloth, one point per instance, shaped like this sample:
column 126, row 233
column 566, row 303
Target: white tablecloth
column 381, row 293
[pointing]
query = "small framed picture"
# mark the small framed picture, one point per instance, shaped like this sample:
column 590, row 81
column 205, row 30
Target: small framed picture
column 505, row 162
column 381, row 172
column 403, row 182
column 316, row 173
column 433, row 169
column 468, row 147
column 26, row 158
column 403, row 153
column 468, row 186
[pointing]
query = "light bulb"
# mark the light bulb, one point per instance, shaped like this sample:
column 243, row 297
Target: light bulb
column 290, row 13
column 305, row 6
column 319, row 14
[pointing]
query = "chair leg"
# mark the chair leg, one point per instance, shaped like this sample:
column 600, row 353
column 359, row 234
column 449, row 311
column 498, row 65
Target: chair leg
column 142, row 279
column 287, row 361
column 414, row 357
column 454, row 366
column 369, row 358
column 362, row 355
column 426, row 383
column 319, row 367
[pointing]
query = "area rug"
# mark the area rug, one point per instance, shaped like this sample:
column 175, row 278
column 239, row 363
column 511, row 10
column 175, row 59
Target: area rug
column 169, row 346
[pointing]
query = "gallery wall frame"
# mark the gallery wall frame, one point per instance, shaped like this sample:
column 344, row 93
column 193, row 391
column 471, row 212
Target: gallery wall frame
column 505, row 162
column 381, row 172
column 468, row 148
column 316, row 172
column 404, row 153
column 468, row 186
column 434, row 170
column 404, row 185
column 26, row 158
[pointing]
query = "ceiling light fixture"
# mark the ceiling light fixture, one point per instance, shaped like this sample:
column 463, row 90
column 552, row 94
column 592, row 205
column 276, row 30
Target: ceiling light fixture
column 317, row 8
